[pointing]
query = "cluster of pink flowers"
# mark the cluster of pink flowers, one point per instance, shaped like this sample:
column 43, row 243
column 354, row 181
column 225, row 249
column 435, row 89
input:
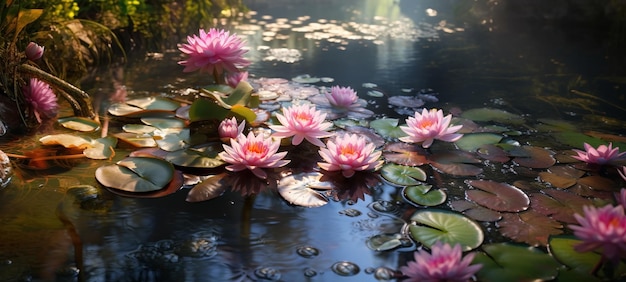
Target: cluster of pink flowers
column 216, row 52
column 444, row 263
column 602, row 155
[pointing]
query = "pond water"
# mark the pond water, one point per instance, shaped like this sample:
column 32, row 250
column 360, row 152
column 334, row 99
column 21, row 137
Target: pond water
column 550, row 66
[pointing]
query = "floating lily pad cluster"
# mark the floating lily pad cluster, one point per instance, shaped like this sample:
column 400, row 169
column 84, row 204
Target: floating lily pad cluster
column 459, row 193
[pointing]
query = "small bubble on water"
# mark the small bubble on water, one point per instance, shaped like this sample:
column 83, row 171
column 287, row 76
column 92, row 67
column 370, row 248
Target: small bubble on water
column 373, row 215
column 309, row 272
column 308, row 251
column 345, row 268
column 350, row 212
column 369, row 270
column 384, row 206
column 267, row 273
column 384, row 273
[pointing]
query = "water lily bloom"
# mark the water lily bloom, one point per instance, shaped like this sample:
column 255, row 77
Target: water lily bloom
column 444, row 263
column 41, row 98
column 602, row 229
column 33, row 51
column 302, row 122
column 213, row 52
column 349, row 153
column 341, row 97
column 428, row 126
column 254, row 153
column 602, row 155
column 233, row 79
column 228, row 129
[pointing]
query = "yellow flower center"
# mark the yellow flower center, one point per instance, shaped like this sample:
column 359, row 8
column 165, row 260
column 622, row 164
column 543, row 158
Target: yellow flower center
column 303, row 116
column 348, row 150
column 426, row 123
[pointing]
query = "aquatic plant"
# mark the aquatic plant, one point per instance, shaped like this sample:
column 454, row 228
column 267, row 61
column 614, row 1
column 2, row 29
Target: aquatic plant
column 602, row 155
column 341, row 97
column 349, row 153
column 444, row 263
column 33, row 51
column 41, row 98
column 216, row 52
column 253, row 152
column 228, row 129
column 302, row 122
column 341, row 102
column 430, row 125
column 602, row 229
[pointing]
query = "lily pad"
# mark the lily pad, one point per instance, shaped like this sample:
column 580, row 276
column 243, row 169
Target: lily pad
column 405, row 154
column 534, row 157
column 498, row 196
column 403, row 175
column 387, row 127
column 514, row 262
column 138, row 128
column 174, row 141
column 136, row 174
column 424, row 195
column 493, row 153
column 143, row 107
column 136, row 140
column 560, row 205
column 198, row 157
column 301, row 189
column 209, row 188
column 582, row 264
column 79, row 123
column 167, row 123
column 66, row 140
column 103, row 148
column 455, row 162
column 472, row 141
column 490, row 114
column 529, row 227
column 475, row 212
column 433, row 225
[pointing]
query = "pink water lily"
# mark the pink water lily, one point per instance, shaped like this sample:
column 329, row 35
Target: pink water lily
column 41, row 98
column 601, row 156
column 428, row 126
column 213, row 52
column 302, row 122
column 349, row 153
column 33, row 51
column 233, row 79
column 444, row 263
column 254, row 153
column 602, row 229
column 342, row 97
column 228, row 129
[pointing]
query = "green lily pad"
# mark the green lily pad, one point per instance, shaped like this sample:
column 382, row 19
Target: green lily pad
column 471, row 142
column 403, row 175
column 136, row 174
column 513, row 262
column 562, row 249
column 174, row 141
column 164, row 123
column 79, row 123
column 138, row 128
column 143, row 107
column 577, row 139
column 154, row 103
column 199, row 157
column 432, row 225
column 102, row 148
column 424, row 195
column 136, row 140
column 387, row 127
column 489, row 114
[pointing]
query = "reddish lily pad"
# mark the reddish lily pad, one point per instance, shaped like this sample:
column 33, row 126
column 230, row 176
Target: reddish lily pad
column 456, row 162
column 534, row 157
column 493, row 153
column 560, row 205
column 405, row 154
column 515, row 262
column 529, row 227
column 424, row 195
column 599, row 183
column 498, row 196
column 562, row 177
column 475, row 212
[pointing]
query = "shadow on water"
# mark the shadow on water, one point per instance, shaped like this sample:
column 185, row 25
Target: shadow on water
column 543, row 61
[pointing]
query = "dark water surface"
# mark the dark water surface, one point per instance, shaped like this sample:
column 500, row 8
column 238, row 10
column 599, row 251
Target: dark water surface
column 540, row 61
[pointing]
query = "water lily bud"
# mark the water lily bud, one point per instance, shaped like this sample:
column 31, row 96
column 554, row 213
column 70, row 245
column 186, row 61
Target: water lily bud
column 34, row 51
